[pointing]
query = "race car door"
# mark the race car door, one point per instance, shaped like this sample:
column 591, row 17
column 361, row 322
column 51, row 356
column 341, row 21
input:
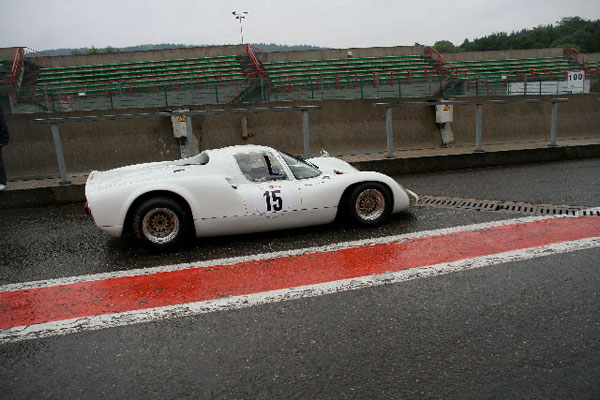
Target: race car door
column 272, row 198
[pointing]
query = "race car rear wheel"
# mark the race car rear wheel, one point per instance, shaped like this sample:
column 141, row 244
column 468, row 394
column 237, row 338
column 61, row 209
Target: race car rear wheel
column 160, row 223
column 369, row 203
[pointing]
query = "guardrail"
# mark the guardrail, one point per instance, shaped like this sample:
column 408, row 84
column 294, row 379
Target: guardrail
column 478, row 116
column 254, row 60
column 53, row 122
column 434, row 53
column 578, row 56
column 16, row 76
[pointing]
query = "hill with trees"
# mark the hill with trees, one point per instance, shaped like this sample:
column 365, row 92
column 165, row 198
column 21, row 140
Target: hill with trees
column 576, row 32
column 267, row 47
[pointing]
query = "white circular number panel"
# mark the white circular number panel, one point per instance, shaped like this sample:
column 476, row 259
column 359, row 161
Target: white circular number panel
column 271, row 200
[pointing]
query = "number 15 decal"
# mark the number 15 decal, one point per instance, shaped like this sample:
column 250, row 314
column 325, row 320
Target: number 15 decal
column 274, row 201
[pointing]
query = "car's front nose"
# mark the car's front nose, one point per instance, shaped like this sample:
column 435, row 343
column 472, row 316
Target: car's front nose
column 413, row 198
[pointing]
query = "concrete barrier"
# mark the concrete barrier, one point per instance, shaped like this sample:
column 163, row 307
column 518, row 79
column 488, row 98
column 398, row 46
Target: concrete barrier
column 8, row 54
column 322, row 54
column 48, row 193
column 504, row 54
column 212, row 51
column 343, row 126
column 86, row 146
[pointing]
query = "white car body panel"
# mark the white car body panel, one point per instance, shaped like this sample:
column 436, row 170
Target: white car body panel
column 223, row 201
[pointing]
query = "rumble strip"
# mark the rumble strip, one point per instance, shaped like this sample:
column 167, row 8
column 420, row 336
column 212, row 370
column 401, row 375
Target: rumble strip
column 69, row 305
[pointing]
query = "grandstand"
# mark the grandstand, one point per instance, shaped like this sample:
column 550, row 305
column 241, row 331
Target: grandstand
column 141, row 80
column 347, row 72
column 243, row 74
column 96, row 78
column 513, row 68
column 351, row 77
column 528, row 75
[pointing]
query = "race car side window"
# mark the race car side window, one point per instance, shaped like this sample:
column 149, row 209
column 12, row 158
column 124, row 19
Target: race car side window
column 260, row 167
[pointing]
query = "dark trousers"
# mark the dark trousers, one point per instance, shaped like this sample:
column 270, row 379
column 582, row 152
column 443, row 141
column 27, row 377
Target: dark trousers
column 2, row 169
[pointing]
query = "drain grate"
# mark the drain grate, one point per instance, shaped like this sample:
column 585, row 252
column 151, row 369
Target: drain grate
column 510, row 207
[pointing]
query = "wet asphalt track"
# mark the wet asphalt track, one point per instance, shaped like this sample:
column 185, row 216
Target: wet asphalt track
column 522, row 330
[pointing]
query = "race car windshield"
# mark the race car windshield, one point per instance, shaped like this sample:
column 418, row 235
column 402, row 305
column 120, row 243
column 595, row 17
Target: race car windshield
column 300, row 168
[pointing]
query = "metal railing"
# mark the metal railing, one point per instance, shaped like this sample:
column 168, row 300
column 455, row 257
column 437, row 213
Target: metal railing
column 250, row 53
column 357, row 86
column 478, row 116
column 435, row 54
column 16, row 75
column 53, row 122
column 579, row 57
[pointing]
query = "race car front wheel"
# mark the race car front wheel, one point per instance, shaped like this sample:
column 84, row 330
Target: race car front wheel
column 160, row 223
column 369, row 203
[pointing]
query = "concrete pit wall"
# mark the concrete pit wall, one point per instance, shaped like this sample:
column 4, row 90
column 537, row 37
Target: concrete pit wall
column 343, row 126
column 86, row 145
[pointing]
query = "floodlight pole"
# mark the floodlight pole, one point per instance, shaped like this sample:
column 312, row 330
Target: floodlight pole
column 240, row 16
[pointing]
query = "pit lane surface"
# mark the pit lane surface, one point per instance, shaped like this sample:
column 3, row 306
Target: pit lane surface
column 523, row 329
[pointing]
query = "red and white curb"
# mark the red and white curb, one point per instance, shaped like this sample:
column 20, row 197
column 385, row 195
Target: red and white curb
column 69, row 305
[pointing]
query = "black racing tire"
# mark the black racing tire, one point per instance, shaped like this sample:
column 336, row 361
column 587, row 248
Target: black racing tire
column 160, row 223
column 369, row 203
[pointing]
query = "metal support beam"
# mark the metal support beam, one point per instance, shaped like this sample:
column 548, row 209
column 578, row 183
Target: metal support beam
column 479, row 128
column 553, row 120
column 190, row 136
column 60, row 158
column 389, row 132
column 479, row 113
column 306, row 133
column 115, row 117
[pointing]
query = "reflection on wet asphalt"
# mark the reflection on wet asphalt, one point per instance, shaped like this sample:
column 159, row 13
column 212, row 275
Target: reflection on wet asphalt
column 61, row 241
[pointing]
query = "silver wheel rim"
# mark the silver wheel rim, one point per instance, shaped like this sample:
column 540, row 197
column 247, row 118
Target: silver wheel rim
column 160, row 225
column 370, row 205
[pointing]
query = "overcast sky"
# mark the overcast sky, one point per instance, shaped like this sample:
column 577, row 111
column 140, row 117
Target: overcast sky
column 52, row 24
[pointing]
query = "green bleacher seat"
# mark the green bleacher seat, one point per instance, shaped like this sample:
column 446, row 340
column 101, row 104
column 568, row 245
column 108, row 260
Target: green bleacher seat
column 512, row 68
column 99, row 77
column 345, row 70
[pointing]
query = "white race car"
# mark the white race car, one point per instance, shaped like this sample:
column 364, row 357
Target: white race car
column 235, row 190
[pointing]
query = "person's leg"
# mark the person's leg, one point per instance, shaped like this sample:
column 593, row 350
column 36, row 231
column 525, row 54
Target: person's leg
column 2, row 170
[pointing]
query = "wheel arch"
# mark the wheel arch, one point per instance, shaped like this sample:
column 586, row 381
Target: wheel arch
column 152, row 194
column 342, row 210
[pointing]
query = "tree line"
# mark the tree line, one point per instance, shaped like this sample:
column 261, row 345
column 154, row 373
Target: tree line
column 575, row 32
column 266, row 47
